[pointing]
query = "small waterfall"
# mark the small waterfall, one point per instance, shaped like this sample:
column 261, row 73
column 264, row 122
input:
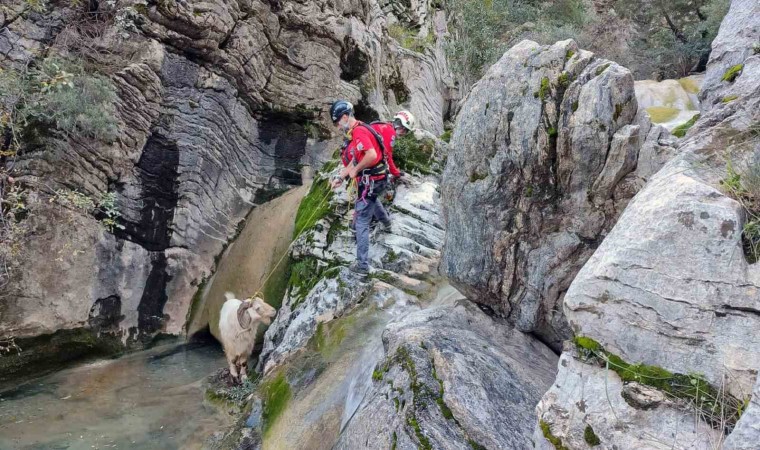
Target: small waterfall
column 360, row 378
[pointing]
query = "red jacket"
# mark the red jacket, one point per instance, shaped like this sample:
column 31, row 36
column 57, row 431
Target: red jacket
column 361, row 141
column 388, row 133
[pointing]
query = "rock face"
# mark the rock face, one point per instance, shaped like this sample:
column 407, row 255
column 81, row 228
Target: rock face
column 671, row 287
column 218, row 103
column 737, row 40
column 412, row 248
column 544, row 157
column 453, row 378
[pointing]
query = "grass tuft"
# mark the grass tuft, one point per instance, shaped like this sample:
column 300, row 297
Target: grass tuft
column 732, row 73
column 680, row 130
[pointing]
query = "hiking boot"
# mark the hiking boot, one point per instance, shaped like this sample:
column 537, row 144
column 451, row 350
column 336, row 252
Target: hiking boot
column 359, row 270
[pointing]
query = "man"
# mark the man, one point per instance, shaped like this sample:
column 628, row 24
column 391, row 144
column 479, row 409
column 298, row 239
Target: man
column 403, row 123
column 363, row 160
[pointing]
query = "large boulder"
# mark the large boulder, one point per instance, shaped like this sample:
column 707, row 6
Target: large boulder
column 543, row 159
column 673, row 296
column 452, row 378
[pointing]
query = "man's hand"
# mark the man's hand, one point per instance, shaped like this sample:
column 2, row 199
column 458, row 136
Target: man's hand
column 352, row 172
column 336, row 182
column 344, row 172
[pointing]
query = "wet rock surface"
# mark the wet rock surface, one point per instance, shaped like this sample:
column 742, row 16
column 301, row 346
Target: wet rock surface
column 452, row 378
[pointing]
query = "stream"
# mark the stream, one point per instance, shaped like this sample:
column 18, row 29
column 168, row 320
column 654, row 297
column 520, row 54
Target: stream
column 147, row 400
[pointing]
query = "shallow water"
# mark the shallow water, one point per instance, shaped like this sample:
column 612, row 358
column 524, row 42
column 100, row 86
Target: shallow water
column 147, row 400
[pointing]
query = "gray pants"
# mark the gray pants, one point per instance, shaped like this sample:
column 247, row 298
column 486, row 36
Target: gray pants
column 365, row 210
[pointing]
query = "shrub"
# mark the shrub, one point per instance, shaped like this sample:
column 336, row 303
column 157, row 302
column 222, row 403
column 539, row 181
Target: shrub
column 742, row 182
column 414, row 155
column 55, row 98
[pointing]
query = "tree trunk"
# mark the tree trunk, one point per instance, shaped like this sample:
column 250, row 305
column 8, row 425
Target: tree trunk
column 678, row 33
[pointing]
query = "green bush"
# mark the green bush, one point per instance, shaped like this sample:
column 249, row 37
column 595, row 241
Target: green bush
column 56, row 97
column 414, row 155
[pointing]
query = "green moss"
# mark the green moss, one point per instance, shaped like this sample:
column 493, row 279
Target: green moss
column 275, row 395
column 680, row 130
column 602, row 68
column 445, row 410
column 689, row 85
column 383, row 276
column 314, row 206
column 394, row 441
column 586, row 343
column 574, row 106
column 729, row 98
column 662, row 114
column 563, row 80
column 446, row 136
column 552, row 132
column 543, row 89
column 475, row 446
column 693, row 387
column 424, row 441
column 618, row 111
column 732, row 73
column 569, row 54
column 590, row 437
column 377, row 374
column 475, row 176
column 554, row 440
column 329, row 336
column 528, row 191
column 397, row 403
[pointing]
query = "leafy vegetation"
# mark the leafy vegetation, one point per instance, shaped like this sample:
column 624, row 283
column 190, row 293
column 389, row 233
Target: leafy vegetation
column 669, row 37
column 409, row 38
column 742, row 182
column 414, row 155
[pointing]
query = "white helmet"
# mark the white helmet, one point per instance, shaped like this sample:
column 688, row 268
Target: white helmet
column 405, row 119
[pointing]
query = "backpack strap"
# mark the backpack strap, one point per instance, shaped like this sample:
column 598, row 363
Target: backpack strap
column 380, row 169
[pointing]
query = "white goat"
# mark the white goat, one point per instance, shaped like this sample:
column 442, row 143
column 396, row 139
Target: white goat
column 237, row 326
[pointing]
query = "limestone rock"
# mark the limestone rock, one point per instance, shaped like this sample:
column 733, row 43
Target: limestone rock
column 736, row 41
column 589, row 396
column 670, row 286
column 747, row 432
column 219, row 103
column 540, row 147
column 406, row 256
column 452, row 377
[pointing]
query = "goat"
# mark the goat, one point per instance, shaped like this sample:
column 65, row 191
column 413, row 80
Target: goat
column 237, row 327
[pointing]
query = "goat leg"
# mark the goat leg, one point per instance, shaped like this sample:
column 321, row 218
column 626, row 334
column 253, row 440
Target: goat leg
column 233, row 370
column 243, row 368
